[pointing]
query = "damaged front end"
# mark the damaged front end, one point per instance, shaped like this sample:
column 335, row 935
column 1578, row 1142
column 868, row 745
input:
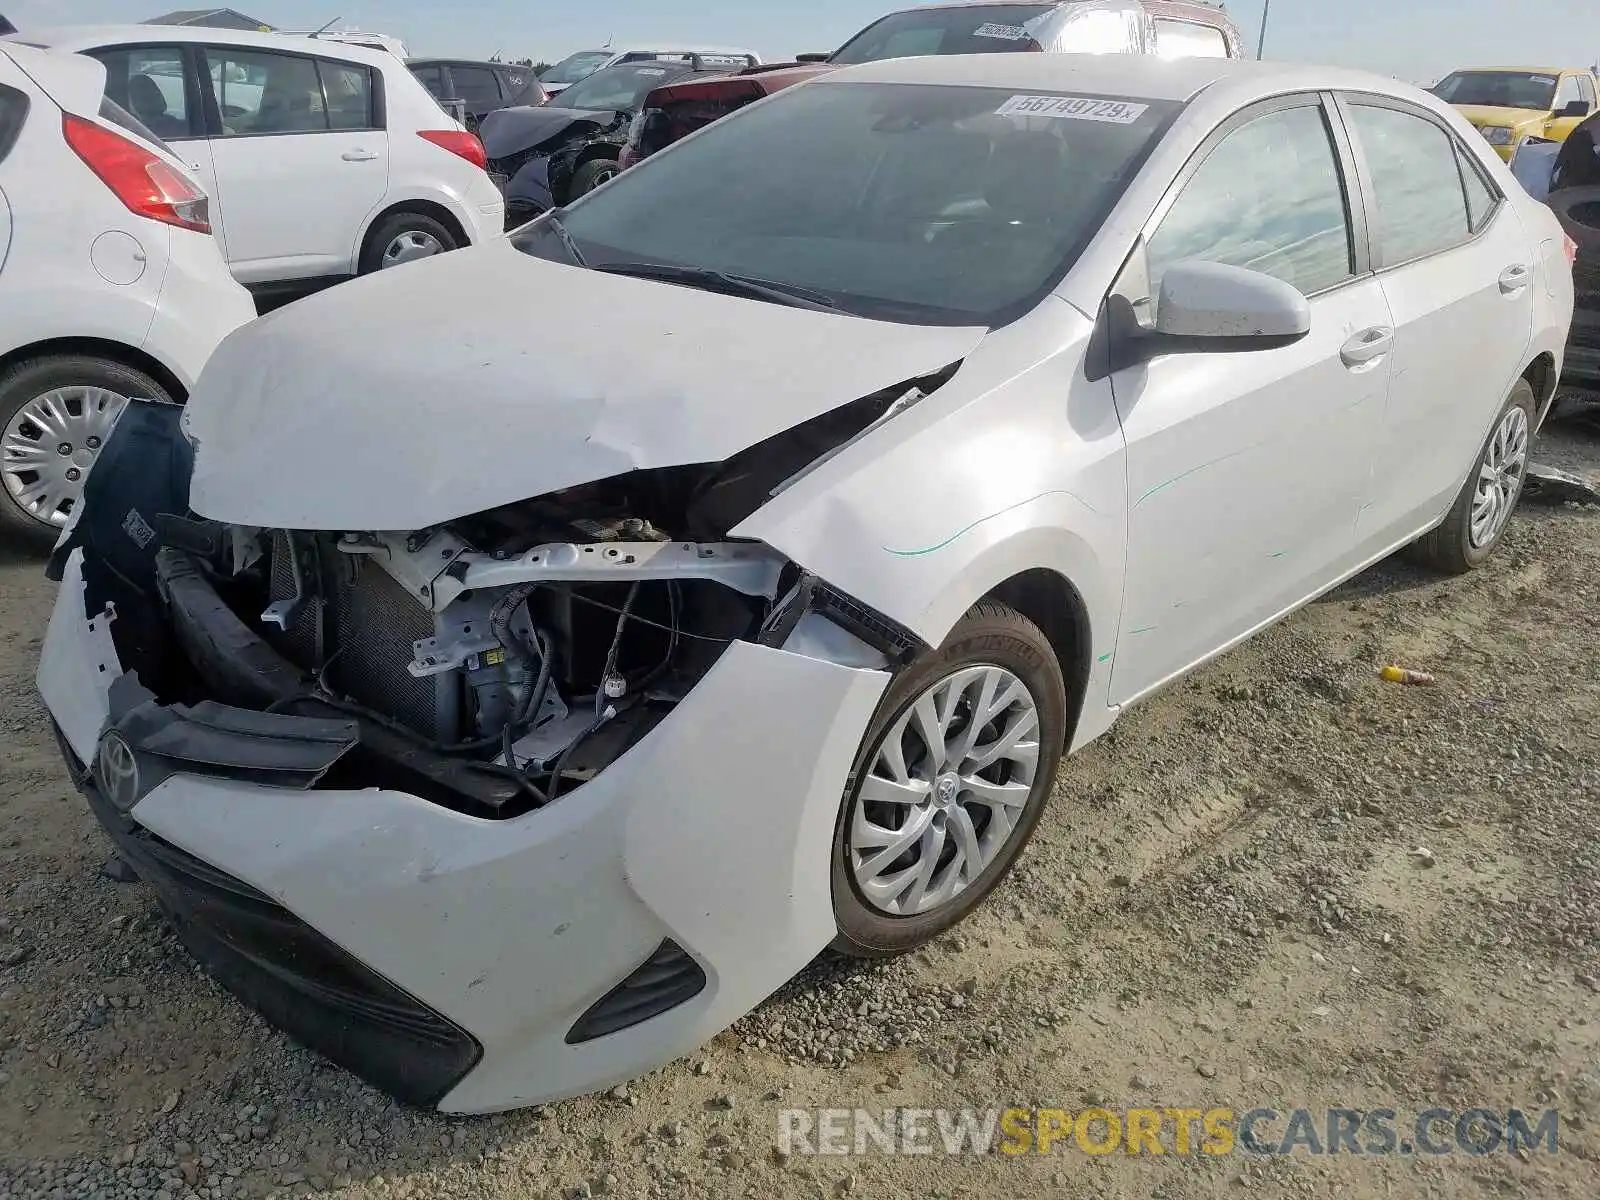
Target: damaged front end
column 490, row 664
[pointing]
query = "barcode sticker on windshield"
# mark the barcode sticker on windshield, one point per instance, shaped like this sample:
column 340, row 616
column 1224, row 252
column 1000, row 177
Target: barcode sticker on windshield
column 1004, row 33
column 1078, row 108
column 652, row 70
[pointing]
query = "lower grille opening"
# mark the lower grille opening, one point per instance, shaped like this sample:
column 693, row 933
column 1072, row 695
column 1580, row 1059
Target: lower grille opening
column 299, row 980
column 668, row 978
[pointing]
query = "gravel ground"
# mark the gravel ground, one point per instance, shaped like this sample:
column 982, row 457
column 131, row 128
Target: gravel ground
column 1283, row 883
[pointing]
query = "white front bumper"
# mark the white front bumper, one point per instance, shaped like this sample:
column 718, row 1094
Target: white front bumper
column 715, row 831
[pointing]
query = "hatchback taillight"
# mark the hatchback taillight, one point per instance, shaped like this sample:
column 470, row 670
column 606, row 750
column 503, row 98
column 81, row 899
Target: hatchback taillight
column 1569, row 250
column 463, row 145
column 139, row 178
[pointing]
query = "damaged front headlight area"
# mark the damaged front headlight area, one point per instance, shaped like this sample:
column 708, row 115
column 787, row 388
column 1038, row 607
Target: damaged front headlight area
column 497, row 662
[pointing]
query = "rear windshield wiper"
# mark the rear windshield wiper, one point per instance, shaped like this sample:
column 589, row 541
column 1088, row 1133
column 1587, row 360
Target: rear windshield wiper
column 722, row 281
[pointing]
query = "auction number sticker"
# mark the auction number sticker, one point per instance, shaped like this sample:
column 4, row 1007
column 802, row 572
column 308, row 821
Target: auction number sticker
column 1004, row 33
column 1077, row 108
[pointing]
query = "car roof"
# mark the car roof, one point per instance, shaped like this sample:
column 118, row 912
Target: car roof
column 81, row 37
column 1147, row 77
column 1520, row 70
column 768, row 79
column 675, row 48
column 465, row 62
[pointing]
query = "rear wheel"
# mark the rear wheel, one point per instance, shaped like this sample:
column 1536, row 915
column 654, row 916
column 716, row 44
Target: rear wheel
column 405, row 237
column 1482, row 511
column 55, row 415
column 594, row 173
column 949, row 784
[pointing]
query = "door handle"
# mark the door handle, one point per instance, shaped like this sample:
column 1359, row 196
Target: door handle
column 1514, row 278
column 1367, row 346
column 358, row 156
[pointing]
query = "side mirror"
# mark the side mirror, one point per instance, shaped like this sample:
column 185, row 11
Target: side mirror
column 1574, row 108
column 1212, row 307
column 812, row 58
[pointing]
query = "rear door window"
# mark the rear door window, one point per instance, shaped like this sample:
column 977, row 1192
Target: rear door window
column 349, row 93
column 1422, row 206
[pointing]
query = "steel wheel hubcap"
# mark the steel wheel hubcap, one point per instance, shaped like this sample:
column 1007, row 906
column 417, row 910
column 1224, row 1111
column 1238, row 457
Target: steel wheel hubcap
column 50, row 444
column 945, row 791
column 1500, row 479
column 410, row 246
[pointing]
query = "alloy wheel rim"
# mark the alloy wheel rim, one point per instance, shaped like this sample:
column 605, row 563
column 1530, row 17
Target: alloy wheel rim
column 945, row 791
column 410, row 246
column 1500, row 479
column 604, row 177
column 49, row 446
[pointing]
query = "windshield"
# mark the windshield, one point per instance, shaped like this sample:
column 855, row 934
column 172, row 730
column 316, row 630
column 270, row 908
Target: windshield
column 577, row 66
column 619, row 89
column 1499, row 89
column 982, row 29
column 907, row 202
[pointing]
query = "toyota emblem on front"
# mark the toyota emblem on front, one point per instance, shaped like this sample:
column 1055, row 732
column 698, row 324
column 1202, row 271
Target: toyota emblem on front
column 118, row 772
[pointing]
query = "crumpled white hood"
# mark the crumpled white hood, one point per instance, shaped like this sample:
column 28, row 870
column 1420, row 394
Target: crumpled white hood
column 485, row 377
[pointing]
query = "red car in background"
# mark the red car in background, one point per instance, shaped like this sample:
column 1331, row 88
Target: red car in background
column 678, row 109
column 1170, row 28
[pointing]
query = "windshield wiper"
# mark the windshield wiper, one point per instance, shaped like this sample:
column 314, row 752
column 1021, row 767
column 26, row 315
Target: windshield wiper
column 722, row 281
column 552, row 221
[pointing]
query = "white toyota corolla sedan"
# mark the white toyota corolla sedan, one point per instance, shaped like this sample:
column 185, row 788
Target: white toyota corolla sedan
column 570, row 638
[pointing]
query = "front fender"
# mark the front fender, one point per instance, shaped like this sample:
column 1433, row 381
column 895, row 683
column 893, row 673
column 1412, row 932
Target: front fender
column 531, row 186
column 997, row 473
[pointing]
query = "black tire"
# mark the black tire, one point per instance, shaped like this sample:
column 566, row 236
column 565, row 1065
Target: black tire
column 592, row 174
column 397, row 225
column 990, row 635
column 1449, row 548
column 26, row 381
column 1578, row 210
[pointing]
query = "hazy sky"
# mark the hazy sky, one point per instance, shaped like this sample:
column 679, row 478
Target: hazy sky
column 1419, row 40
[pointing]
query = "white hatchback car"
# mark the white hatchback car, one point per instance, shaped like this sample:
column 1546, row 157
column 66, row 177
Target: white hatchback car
column 323, row 160
column 111, row 285
column 753, row 602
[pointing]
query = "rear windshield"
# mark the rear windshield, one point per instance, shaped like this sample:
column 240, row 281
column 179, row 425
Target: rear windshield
column 1499, row 89
column 982, row 29
column 577, row 66
column 905, row 202
column 621, row 88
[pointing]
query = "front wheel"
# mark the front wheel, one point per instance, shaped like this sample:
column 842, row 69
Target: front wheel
column 1482, row 511
column 949, row 784
column 594, row 173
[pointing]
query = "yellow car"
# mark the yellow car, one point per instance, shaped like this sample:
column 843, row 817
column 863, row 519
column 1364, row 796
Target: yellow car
column 1508, row 104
